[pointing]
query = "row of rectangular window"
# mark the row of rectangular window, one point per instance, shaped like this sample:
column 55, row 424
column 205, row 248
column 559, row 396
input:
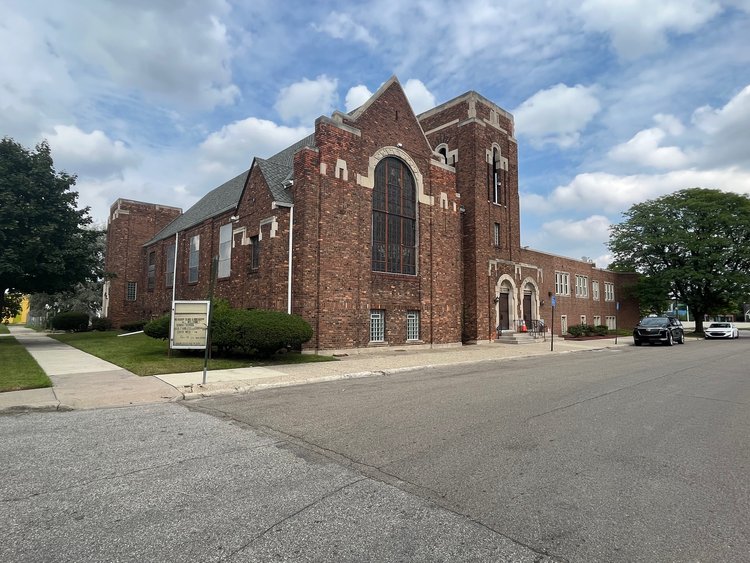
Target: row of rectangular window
column 562, row 287
column 377, row 325
column 224, row 263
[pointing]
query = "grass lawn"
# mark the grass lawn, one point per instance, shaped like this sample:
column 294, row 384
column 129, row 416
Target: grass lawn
column 143, row 355
column 19, row 369
column 3, row 329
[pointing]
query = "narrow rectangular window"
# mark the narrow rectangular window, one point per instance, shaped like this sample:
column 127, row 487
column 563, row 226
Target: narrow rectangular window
column 225, row 250
column 169, row 272
column 611, row 323
column 595, row 290
column 255, row 252
column 583, row 319
column 131, row 291
column 563, row 324
column 412, row 325
column 597, row 320
column 496, row 235
column 151, row 272
column 562, row 283
column 194, row 259
column 582, row 286
column 377, row 326
column 609, row 291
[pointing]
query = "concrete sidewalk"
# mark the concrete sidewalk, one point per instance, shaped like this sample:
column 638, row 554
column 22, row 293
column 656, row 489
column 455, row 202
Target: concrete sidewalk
column 83, row 381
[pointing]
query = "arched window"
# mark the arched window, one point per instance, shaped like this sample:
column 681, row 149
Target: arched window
column 394, row 219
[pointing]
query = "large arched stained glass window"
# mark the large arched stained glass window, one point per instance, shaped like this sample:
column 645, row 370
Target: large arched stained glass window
column 394, row 219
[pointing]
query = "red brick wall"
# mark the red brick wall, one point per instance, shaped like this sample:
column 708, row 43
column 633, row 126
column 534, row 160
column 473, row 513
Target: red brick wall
column 131, row 224
column 333, row 285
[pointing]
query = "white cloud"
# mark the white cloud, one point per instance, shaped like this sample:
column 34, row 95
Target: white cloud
column 644, row 147
column 232, row 148
column 29, row 78
column 420, row 98
column 88, row 154
column 614, row 194
column 342, row 26
column 356, row 96
column 556, row 115
column 593, row 227
column 639, row 27
column 307, row 100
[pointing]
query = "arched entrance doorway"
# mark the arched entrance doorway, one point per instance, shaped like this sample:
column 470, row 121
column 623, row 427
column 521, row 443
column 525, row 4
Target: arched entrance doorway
column 530, row 303
column 504, row 304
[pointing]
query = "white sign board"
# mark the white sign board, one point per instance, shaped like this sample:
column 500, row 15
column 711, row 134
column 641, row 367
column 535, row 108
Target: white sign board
column 189, row 326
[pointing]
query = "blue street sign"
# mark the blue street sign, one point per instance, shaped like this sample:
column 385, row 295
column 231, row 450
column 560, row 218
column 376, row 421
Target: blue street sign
column 554, row 300
column 618, row 305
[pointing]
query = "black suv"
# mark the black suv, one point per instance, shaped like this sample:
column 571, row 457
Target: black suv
column 653, row 329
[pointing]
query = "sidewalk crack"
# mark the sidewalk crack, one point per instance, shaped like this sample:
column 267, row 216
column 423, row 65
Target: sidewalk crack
column 289, row 517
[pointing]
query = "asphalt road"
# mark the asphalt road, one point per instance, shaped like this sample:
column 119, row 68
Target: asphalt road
column 629, row 454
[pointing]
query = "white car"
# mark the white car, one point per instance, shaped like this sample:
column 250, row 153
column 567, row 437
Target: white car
column 721, row 330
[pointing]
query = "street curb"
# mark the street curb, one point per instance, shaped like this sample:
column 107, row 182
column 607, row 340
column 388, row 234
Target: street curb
column 20, row 409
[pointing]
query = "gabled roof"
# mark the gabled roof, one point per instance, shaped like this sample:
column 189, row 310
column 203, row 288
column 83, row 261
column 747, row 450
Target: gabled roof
column 280, row 168
column 217, row 201
column 276, row 170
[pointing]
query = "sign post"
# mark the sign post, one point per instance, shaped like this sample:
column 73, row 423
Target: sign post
column 189, row 326
column 552, row 336
column 617, row 309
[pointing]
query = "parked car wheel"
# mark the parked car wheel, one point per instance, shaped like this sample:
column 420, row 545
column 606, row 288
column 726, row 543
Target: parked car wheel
column 670, row 340
column 682, row 339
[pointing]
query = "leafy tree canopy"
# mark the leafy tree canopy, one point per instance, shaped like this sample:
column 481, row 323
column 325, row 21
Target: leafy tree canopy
column 693, row 245
column 45, row 244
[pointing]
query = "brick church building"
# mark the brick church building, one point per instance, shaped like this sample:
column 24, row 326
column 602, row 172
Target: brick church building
column 380, row 228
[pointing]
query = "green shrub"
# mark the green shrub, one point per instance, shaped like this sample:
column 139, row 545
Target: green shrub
column 159, row 327
column 133, row 326
column 576, row 330
column 71, row 321
column 601, row 330
column 101, row 323
column 265, row 332
column 223, row 321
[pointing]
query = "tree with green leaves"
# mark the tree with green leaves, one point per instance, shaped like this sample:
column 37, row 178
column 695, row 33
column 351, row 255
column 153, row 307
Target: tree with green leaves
column 692, row 245
column 44, row 243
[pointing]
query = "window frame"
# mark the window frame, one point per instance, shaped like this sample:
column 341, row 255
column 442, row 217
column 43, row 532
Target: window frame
column 394, row 217
column 131, row 295
column 151, row 271
column 412, row 326
column 562, row 283
column 582, row 286
column 377, row 326
column 595, row 290
column 496, row 234
column 255, row 253
column 224, row 267
column 169, row 264
column 609, row 291
column 194, row 251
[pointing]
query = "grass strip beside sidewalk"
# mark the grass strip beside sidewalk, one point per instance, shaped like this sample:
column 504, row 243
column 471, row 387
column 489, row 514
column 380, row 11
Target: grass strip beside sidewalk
column 19, row 370
column 3, row 329
column 143, row 355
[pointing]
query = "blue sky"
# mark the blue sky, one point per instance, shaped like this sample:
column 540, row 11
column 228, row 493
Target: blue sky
column 615, row 102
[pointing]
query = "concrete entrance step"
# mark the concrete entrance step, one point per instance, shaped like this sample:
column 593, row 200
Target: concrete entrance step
column 517, row 338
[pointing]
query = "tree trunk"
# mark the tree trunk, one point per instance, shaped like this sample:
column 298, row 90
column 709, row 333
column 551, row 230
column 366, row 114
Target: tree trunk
column 699, row 321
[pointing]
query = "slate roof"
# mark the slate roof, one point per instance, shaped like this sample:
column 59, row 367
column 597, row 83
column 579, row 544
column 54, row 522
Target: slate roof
column 280, row 168
column 217, row 201
column 276, row 170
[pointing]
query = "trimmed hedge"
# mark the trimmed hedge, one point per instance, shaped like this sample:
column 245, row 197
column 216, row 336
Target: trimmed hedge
column 159, row 327
column 101, row 323
column 71, row 321
column 255, row 332
column 588, row 330
column 133, row 326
